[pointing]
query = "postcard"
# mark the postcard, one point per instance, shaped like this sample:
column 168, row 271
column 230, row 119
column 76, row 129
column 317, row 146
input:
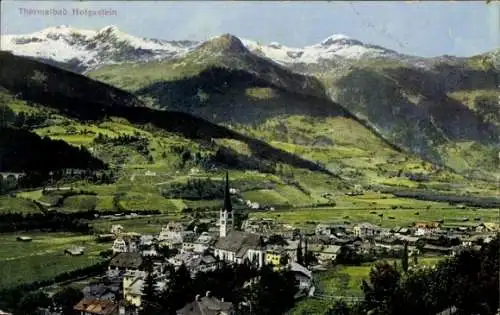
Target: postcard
column 249, row 158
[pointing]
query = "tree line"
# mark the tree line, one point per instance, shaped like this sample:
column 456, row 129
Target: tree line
column 51, row 221
column 24, row 151
column 57, row 221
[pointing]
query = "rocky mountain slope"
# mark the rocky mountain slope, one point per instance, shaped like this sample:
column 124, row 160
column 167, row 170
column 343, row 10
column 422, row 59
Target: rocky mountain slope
column 90, row 101
column 407, row 106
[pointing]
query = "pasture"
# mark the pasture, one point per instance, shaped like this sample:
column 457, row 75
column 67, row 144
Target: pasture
column 17, row 205
column 43, row 258
column 148, row 224
column 308, row 217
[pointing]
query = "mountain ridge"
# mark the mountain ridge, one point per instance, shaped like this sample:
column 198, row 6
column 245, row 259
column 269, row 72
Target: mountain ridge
column 126, row 105
column 400, row 99
column 88, row 48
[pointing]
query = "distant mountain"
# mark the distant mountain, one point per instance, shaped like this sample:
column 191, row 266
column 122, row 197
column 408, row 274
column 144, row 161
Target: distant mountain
column 408, row 105
column 51, row 88
column 84, row 49
column 444, row 109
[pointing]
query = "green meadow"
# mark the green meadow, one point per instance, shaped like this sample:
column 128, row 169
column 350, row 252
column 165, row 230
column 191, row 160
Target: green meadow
column 43, row 258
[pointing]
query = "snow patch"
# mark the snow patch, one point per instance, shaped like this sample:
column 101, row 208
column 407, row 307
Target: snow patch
column 107, row 45
column 110, row 45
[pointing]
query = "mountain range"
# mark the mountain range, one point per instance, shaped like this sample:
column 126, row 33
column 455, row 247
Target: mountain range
column 86, row 49
column 443, row 109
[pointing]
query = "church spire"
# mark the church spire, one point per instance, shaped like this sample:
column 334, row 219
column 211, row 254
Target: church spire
column 227, row 196
column 226, row 213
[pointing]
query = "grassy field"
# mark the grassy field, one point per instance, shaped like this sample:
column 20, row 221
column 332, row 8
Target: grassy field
column 401, row 217
column 43, row 258
column 310, row 306
column 150, row 224
column 14, row 204
column 347, row 280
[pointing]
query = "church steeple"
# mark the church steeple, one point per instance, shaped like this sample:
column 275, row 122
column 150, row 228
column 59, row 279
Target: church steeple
column 227, row 196
column 226, row 213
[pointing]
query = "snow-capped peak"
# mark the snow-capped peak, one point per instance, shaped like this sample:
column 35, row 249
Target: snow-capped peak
column 109, row 29
column 333, row 47
column 86, row 49
column 89, row 48
column 334, row 38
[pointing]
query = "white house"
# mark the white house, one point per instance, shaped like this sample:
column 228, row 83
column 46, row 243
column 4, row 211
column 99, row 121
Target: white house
column 124, row 245
column 203, row 242
column 365, row 230
column 133, row 284
column 171, row 234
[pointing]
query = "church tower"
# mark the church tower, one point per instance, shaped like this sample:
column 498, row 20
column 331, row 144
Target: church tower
column 226, row 213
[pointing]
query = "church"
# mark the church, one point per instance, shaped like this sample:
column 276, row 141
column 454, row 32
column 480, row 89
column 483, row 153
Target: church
column 236, row 246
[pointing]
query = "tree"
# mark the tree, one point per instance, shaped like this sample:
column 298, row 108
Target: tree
column 339, row 307
column 29, row 304
column 284, row 259
column 166, row 252
column 67, row 298
column 277, row 239
column 3, row 187
column 7, row 116
column 384, row 294
column 300, row 259
column 271, row 287
column 179, row 291
column 306, row 254
column 149, row 292
column 487, row 106
column 469, row 281
column 404, row 258
column 149, row 289
column 348, row 256
column 420, row 244
column 415, row 257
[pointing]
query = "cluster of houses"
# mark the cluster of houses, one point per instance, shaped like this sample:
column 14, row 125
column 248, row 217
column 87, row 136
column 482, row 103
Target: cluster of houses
column 120, row 290
column 424, row 237
column 255, row 243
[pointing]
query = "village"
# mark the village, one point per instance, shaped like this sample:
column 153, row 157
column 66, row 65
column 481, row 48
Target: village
column 201, row 246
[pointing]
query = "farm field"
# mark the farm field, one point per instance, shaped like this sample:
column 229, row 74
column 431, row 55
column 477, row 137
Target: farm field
column 149, row 224
column 43, row 258
column 399, row 217
column 19, row 205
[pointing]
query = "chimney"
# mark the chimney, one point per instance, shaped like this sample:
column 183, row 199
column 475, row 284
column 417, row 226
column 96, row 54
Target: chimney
column 197, row 298
column 208, row 294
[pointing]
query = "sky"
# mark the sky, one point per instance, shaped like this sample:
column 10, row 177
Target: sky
column 428, row 29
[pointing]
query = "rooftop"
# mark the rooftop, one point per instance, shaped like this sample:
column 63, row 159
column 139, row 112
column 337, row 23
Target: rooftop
column 206, row 305
column 301, row 269
column 98, row 307
column 236, row 241
column 127, row 261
